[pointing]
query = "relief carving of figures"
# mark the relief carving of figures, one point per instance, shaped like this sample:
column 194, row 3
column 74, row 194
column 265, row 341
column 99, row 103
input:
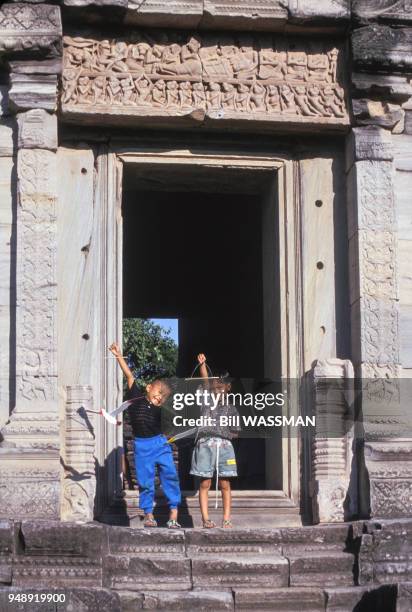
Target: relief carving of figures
column 249, row 74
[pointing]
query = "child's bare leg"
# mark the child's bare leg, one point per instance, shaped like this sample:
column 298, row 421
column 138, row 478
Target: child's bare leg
column 173, row 514
column 224, row 485
column 204, row 497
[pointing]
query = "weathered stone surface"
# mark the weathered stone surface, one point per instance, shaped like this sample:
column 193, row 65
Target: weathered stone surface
column 162, row 13
column 59, row 554
column 382, row 10
column 192, row 600
column 37, row 130
column 30, row 477
column 322, row 569
column 385, row 554
column 263, row 570
column 79, row 484
column 7, row 137
column 382, row 47
column 4, row 100
column 331, row 443
column 342, row 599
column 403, row 156
column 281, row 600
column 97, row 3
column 404, row 600
column 123, row 540
column 32, row 66
column 239, row 541
column 261, row 14
column 131, row 601
column 389, row 87
column 368, row 143
column 168, row 573
column 33, row 91
column 30, row 27
column 371, row 112
column 303, row 10
column 204, row 78
column 371, row 199
column 6, row 551
column 55, row 537
column 408, row 122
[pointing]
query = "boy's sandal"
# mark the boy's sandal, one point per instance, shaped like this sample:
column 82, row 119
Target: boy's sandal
column 227, row 524
column 149, row 522
column 173, row 524
column 208, row 524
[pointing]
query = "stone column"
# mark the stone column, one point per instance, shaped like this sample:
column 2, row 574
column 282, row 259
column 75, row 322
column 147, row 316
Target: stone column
column 79, row 485
column 29, row 451
column 375, row 322
column 333, row 500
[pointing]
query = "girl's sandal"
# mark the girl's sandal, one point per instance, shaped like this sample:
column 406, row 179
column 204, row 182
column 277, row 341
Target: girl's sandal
column 208, row 524
column 149, row 522
column 227, row 524
column 173, row 524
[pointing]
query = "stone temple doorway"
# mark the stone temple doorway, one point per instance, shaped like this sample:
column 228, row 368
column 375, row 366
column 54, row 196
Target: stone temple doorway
column 253, row 241
column 182, row 217
column 201, row 245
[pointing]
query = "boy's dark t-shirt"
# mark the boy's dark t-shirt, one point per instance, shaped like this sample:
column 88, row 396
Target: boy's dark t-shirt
column 144, row 417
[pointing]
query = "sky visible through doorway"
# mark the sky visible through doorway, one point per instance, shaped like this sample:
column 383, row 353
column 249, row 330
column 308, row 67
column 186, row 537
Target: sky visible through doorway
column 172, row 324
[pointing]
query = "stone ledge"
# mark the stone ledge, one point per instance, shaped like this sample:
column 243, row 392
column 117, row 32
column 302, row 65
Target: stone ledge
column 228, row 571
column 259, row 15
column 383, row 48
column 330, row 568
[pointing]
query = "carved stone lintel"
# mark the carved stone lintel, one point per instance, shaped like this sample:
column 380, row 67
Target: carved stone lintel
column 37, row 130
column 220, row 77
column 382, row 47
column 332, row 500
column 30, row 28
column 79, row 485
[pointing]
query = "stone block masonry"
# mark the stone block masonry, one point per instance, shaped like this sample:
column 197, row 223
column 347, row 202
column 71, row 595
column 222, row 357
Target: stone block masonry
column 106, row 568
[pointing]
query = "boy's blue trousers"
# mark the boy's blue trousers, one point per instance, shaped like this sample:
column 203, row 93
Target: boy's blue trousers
column 149, row 452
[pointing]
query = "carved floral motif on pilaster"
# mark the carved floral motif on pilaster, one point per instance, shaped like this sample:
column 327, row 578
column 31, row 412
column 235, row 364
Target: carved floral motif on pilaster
column 29, row 492
column 331, row 444
column 218, row 74
column 79, row 484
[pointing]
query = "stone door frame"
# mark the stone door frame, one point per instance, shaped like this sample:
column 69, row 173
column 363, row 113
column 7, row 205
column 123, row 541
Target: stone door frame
column 108, row 200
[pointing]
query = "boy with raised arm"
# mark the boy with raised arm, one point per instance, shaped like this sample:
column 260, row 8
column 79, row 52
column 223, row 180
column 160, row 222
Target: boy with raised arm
column 214, row 451
column 150, row 445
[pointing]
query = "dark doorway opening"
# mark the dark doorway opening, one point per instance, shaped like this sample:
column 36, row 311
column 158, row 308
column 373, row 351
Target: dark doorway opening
column 200, row 244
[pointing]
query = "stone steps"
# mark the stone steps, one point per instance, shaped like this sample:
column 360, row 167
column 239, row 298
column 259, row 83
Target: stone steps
column 310, row 569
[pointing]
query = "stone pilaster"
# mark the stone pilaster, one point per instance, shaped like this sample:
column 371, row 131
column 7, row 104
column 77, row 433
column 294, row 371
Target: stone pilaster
column 31, row 36
column 332, row 498
column 375, row 320
column 79, row 484
column 30, row 477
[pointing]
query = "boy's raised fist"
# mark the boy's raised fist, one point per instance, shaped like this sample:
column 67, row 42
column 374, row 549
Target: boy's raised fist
column 201, row 358
column 115, row 349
